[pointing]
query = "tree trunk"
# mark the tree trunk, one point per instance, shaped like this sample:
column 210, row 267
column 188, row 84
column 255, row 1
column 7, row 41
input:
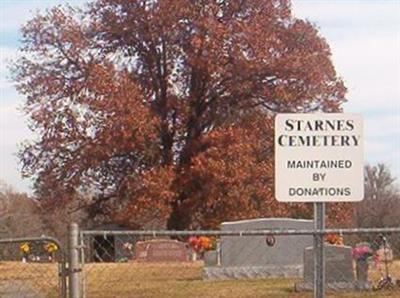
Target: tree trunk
column 176, row 220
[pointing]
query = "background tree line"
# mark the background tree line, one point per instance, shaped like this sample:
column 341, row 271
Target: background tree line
column 21, row 215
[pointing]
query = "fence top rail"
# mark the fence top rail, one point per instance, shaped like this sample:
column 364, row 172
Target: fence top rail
column 29, row 239
column 276, row 232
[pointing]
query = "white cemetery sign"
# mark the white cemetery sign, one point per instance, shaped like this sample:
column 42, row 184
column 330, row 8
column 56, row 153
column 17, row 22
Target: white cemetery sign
column 319, row 158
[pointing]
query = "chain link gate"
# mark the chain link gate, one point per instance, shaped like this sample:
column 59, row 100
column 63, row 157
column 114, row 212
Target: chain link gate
column 32, row 267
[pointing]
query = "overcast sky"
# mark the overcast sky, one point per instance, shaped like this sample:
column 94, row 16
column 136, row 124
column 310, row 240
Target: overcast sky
column 364, row 37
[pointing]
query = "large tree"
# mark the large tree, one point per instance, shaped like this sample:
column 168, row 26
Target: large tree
column 163, row 108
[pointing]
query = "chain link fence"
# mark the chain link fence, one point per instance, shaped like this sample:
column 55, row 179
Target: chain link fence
column 249, row 263
column 226, row 263
column 32, row 267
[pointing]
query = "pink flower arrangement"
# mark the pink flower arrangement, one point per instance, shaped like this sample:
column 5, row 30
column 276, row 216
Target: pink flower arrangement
column 362, row 252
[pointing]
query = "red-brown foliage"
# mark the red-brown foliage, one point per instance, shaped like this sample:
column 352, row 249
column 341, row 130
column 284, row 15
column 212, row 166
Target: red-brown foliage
column 164, row 108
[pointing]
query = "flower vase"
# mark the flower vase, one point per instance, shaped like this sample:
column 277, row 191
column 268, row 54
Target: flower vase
column 210, row 258
column 362, row 274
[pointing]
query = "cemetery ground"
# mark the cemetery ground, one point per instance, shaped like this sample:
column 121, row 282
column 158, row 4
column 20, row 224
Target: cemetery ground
column 156, row 280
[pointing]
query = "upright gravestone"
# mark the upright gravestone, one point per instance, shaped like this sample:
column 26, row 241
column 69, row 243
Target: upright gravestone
column 251, row 257
column 339, row 274
column 161, row 250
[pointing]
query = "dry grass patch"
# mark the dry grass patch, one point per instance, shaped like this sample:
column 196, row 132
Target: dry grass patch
column 158, row 280
column 24, row 279
column 181, row 280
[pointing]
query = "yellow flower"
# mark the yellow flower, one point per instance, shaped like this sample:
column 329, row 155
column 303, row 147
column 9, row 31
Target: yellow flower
column 24, row 247
column 50, row 247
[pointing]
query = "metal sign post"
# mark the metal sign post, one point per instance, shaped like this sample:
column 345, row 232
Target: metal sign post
column 319, row 266
column 319, row 159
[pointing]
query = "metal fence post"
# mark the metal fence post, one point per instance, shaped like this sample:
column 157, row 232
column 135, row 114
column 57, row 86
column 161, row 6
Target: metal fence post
column 73, row 266
column 319, row 261
column 63, row 275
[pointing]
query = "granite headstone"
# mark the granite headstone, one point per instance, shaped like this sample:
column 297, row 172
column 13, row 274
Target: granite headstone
column 161, row 250
column 251, row 257
column 339, row 274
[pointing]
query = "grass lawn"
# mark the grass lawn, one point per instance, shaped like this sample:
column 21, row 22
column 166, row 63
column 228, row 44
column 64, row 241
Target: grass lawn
column 119, row 280
column 184, row 280
column 19, row 279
